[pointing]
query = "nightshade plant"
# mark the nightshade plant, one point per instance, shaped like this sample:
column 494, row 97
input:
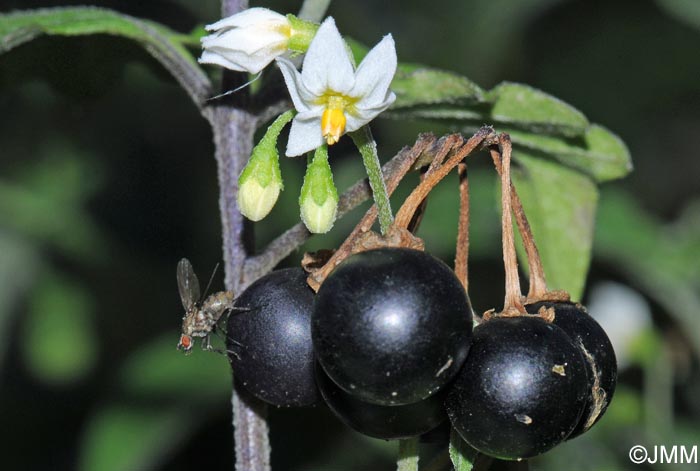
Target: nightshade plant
column 331, row 97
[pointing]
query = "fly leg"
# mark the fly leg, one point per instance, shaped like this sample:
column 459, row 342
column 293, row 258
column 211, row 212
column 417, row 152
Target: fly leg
column 235, row 309
column 207, row 346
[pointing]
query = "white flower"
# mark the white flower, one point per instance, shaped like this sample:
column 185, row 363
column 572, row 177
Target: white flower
column 247, row 41
column 330, row 96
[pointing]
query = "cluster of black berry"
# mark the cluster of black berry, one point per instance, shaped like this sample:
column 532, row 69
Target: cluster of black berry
column 388, row 343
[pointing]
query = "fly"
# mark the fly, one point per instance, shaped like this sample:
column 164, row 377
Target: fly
column 201, row 317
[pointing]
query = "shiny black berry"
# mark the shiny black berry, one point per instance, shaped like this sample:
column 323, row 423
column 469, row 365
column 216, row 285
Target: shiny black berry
column 391, row 326
column 270, row 343
column 522, row 389
column 387, row 422
column 601, row 363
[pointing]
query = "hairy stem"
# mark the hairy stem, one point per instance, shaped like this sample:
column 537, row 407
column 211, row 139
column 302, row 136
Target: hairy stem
column 233, row 137
column 368, row 148
column 408, row 455
column 233, row 129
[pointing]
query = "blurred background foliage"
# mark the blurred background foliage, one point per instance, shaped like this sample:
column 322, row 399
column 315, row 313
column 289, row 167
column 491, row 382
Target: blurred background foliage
column 107, row 180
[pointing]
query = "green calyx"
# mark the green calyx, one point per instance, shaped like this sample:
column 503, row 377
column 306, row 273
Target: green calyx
column 318, row 200
column 260, row 181
column 303, row 33
column 263, row 164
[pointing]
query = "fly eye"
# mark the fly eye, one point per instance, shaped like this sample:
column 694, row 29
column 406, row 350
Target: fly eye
column 185, row 343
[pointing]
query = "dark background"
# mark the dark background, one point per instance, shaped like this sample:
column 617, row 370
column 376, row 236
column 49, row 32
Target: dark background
column 107, row 179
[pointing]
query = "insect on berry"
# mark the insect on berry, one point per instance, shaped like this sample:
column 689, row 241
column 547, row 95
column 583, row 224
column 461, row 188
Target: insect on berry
column 201, row 317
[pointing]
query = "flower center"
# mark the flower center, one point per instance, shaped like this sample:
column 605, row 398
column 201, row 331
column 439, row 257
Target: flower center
column 333, row 119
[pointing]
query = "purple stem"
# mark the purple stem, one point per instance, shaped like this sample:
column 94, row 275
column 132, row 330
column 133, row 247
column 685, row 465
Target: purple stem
column 233, row 128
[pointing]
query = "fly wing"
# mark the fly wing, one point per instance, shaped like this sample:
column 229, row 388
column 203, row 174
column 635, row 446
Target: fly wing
column 187, row 284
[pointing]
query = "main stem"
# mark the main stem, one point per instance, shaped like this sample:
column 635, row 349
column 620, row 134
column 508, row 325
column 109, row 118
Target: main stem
column 234, row 129
column 233, row 137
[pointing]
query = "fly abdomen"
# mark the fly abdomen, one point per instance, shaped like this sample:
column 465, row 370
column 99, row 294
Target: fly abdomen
column 218, row 303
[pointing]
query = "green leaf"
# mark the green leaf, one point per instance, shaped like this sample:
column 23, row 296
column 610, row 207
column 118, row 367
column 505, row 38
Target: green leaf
column 511, row 105
column 162, row 43
column 159, row 370
column 59, row 342
column 475, row 116
column 417, row 85
column 599, row 153
column 523, row 106
column 126, row 437
column 560, row 204
column 610, row 158
column 462, row 455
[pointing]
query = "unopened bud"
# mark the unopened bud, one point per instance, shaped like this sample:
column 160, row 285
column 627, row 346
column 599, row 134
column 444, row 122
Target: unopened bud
column 260, row 183
column 319, row 198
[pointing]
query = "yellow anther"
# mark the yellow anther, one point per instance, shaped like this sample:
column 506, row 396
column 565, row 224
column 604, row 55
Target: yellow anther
column 332, row 124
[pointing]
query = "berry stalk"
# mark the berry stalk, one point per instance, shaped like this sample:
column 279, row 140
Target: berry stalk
column 513, row 299
column 462, row 249
column 365, row 224
column 408, row 209
column 538, row 284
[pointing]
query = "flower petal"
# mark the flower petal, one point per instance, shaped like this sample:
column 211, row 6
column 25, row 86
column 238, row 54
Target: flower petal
column 248, row 17
column 327, row 64
column 304, row 135
column 302, row 98
column 218, row 59
column 358, row 117
column 248, row 41
column 374, row 75
column 251, row 56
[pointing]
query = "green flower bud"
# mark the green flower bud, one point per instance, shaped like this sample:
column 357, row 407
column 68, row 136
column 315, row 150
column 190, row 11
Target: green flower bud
column 260, row 182
column 319, row 198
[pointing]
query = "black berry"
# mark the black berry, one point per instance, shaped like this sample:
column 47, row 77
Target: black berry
column 387, row 422
column 522, row 389
column 391, row 326
column 601, row 363
column 270, row 344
